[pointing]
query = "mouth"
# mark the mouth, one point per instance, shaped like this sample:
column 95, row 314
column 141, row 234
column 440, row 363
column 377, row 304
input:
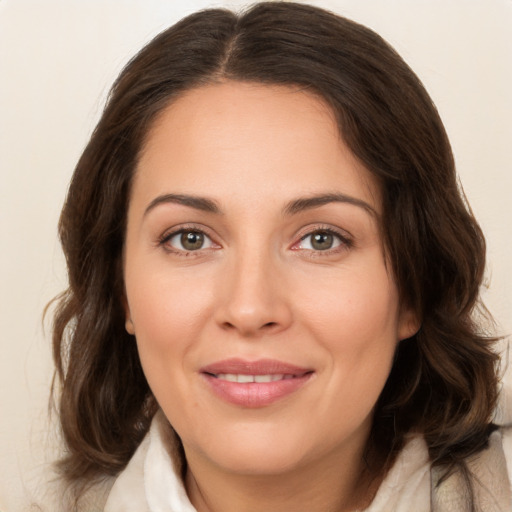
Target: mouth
column 246, row 379
column 254, row 383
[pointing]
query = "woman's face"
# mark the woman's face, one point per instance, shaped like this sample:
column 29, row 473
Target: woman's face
column 265, row 316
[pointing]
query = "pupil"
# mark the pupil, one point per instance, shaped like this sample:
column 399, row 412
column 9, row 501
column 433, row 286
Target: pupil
column 192, row 240
column 322, row 241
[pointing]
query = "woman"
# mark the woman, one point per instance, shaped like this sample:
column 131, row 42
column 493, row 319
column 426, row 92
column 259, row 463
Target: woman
column 272, row 270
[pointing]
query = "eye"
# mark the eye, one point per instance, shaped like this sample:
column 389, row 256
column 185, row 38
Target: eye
column 322, row 240
column 187, row 240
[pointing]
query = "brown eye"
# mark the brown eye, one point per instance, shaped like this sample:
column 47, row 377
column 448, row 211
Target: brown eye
column 322, row 241
column 187, row 240
column 192, row 240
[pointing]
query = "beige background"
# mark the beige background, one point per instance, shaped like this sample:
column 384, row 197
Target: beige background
column 57, row 60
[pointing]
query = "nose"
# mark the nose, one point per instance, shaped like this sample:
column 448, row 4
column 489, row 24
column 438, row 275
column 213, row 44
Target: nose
column 254, row 299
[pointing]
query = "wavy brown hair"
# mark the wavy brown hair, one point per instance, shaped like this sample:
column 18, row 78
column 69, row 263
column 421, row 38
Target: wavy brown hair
column 443, row 383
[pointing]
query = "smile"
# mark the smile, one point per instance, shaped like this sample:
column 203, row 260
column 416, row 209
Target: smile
column 243, row 378
column 253, row 384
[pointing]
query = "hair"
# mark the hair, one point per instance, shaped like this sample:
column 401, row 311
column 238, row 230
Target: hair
column 443, row 383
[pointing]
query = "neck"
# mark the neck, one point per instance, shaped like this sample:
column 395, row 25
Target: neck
column 337, row 483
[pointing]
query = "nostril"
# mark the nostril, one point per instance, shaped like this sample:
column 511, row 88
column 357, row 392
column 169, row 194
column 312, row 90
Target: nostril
column 266, row 326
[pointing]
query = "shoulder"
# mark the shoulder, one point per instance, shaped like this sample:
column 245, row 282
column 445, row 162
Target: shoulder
column 128, row 492
column 52, row 494
column 152, row 480
column 492, row 470
column 412, row 484
column 506, row 433
column 406, row 487
column 489, row 472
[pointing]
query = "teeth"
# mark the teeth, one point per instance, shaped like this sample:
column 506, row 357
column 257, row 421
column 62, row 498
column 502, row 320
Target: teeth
column 232, row 377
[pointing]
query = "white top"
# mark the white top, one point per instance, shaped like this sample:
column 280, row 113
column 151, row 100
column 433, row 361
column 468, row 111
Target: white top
column 150, row 482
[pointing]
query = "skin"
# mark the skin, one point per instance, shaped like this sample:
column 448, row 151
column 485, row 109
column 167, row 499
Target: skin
column 258, row 288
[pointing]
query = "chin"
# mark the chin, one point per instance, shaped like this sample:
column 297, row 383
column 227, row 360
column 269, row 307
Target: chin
column 259, row 460
column 258, row 449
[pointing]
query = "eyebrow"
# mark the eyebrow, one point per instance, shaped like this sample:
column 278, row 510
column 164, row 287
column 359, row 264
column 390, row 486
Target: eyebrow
column 199, row 203
column 308, row 203
column 293, row 207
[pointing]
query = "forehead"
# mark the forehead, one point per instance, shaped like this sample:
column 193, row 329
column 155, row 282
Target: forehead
column 248, row 140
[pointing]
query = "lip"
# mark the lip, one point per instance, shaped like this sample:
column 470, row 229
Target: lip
column 254, row 394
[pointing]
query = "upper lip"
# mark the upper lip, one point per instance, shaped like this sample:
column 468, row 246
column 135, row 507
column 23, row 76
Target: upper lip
column 258, row 367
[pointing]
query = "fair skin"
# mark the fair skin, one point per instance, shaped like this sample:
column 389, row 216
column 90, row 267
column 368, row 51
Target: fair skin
column 226, row 257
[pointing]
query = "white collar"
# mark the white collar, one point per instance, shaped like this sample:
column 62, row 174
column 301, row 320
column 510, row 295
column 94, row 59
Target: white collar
column 151, row 483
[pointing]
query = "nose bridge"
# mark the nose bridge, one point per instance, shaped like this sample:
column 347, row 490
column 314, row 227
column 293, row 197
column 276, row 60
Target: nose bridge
column 254, row 300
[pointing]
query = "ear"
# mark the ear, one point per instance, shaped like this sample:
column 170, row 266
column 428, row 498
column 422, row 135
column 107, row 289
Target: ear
column 408, row 323
column 128, row 324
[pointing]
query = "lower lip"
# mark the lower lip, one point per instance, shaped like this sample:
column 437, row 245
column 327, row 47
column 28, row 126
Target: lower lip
column 255, row 394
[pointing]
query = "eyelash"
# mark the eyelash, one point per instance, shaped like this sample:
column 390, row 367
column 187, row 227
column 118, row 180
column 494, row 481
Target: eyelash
column 164, row 240
column 345, row 241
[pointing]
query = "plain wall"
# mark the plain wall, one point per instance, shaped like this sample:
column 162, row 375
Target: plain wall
column 57, row 60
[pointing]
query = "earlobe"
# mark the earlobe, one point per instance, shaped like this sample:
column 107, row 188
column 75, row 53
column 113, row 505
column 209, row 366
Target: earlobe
column 409, row 324
column 128, row 324
column 130, row 329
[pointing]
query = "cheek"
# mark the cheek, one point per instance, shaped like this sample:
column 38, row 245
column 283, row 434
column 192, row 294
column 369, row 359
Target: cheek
column 164, row 302
column 168, row 311
column 356, row 306
column 355, row 317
